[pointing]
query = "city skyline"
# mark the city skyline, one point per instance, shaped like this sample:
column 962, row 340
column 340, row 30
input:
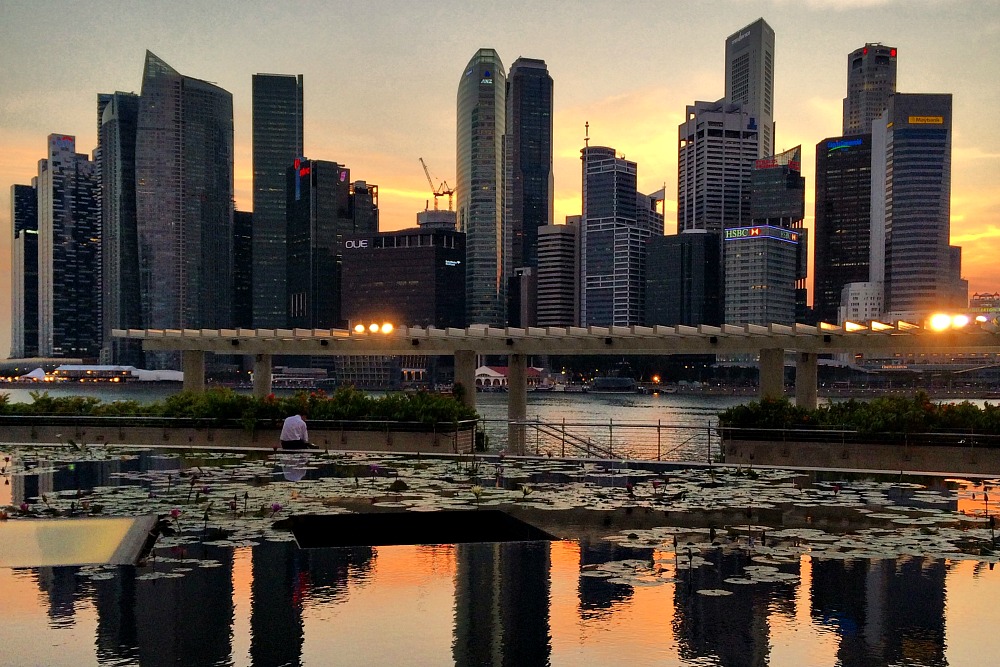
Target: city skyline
column 381, row 86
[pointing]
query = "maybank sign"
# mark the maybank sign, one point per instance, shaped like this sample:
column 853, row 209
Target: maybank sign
column 926, row 120
column 762, row 232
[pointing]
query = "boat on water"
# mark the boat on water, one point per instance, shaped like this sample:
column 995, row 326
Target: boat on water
column 614, row 385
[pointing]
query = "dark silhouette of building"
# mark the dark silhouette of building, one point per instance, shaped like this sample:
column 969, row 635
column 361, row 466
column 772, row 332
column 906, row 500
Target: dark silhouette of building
column 24, row 271
column 69, row 252
column 843, row 219
column 528, row 182
column 557, row 302
column 277, row 141
column 119, row 232
column 184, row 202
column 243, row 269
column 413, row 277
column 683, row 277
column 323, row 209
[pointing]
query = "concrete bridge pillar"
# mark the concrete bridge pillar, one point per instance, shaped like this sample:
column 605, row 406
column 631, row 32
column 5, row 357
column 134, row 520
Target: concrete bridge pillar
column 772, row 373
column 261, row 375
column 517, row 401
column 193, row 363
column 465, row 375
column 806, row 372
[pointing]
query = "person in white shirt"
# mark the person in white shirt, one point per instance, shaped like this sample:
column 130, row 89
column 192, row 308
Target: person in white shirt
column 294, row 434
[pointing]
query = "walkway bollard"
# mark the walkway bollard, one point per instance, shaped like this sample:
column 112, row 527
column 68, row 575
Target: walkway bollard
column 658, row 439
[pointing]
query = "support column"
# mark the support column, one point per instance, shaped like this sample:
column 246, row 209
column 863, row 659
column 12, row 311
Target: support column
column 465, row 375
column 193, row 363
column 261, row 375
column 806, row 373
column 517, row 401
column 771, row 380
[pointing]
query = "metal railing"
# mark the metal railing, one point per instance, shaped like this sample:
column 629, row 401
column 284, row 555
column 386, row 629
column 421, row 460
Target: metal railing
column 649, row 441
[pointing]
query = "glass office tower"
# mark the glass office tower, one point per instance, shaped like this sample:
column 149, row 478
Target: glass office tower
column 480, row 165
column 277, row 141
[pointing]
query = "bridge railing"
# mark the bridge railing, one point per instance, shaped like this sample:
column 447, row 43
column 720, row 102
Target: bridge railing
column 611, row 439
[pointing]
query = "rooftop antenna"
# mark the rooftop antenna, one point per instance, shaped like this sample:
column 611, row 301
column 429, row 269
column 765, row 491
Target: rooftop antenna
column 586, row 134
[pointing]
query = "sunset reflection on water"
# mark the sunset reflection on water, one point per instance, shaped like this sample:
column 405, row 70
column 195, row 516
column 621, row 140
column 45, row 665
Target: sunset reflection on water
column 491, row 603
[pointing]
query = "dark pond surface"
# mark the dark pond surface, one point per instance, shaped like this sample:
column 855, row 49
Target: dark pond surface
column 913, row 586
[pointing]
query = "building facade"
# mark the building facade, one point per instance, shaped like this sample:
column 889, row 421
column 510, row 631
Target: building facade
column 324, row 208
column 69, row 252
column 413, row 277
column 243, row 269
column 764, row 263
column 277, row 142
column 683, row 278
column 842, row 228
column 558, row 297
column 24, row 271
column 912, row 149
column 717, row 147
column 616, row 222
column 528, row 184
column 871, row 80
column 750, row 79
column 119, row 228
column 184, row 201
column 481, row 127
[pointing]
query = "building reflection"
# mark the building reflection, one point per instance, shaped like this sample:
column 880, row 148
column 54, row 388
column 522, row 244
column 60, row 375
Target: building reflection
column 502, row 603
column 597, row 594
column 734, row 628
column 283, row 577
column 886, row 611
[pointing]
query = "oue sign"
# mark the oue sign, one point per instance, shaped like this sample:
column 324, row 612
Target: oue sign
column 353, row 245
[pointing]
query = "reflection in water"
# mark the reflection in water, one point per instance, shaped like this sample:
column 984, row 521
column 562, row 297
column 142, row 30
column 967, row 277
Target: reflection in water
column 502, row 604
column 882, row 612
column 886, row 611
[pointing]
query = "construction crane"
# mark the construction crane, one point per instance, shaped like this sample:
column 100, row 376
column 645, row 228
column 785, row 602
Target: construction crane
column 443, row 189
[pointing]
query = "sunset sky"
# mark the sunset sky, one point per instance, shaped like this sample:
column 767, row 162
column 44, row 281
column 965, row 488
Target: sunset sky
column 381, row 79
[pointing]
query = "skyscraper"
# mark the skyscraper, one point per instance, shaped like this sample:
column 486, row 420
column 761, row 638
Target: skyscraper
column 323, row 208
column 717, row 146
column 683, row 273
column 750, row 79
column 558, row 297
column 764, row 262
column 528, row 181
column 184, row 200
column 616, row 222
column 119, row 235
column 243, row 269
column 24, row 271
column 843, row 219
column 480, row 166
column 911, row 147
column 871, row 79
column 844, row 185
column 69, row 252
column 277, row 141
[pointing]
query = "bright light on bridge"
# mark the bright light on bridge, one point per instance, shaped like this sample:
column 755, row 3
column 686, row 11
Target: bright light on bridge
column 942, row 321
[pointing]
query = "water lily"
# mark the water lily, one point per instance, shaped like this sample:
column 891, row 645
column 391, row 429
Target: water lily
column 275, row 508
column 24, row 507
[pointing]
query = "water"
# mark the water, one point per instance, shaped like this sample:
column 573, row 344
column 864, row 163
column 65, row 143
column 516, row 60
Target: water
column 272, row 604
column 236, row 591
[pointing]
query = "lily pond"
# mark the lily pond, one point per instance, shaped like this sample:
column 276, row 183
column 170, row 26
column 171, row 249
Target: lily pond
column 651, row 565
